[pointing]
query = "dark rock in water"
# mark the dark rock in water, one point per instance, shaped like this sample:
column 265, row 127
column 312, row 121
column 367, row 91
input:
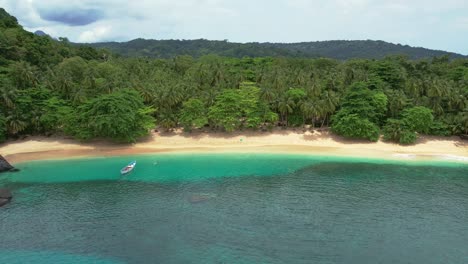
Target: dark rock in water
column 5, row 197
column 4, row 165
column 201, row 197
column 4, row 201
column 5, row 194
column 14, row 170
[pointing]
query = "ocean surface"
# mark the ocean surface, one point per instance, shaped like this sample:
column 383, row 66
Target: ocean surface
column 235, row 208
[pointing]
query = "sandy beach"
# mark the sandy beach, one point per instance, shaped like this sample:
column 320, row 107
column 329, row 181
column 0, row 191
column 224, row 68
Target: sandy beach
column 280, row 141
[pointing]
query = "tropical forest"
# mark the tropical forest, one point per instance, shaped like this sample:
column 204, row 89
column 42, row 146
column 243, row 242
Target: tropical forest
column 52, row 86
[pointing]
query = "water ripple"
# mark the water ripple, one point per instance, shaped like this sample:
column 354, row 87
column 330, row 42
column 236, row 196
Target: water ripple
column 331, row 212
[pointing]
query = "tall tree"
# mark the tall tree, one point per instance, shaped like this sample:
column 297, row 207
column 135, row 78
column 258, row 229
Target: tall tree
column 120, row 116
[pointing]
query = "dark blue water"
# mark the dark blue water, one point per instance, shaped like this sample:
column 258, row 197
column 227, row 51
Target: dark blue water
column 235, row 209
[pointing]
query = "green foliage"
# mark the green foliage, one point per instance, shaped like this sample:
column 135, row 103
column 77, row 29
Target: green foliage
column 379, row 103
column 439, row 129
column 365, row 103
column 55, row 113
column 458, row 124
column 3, row 129
column 183, row 63
column 398, row 131
column 390, row 72
column 393, row 129
column 50, row 86
column 296, row 95
column 87, row 53
column 225, row 113
column 24, row 113
column 295, row 120
column 408, row 137
column 415, row 119
column 6, row 20
column 235, row 107
column 120, row 116
column 193, row 114
column 353, row 126
column 418, row 119
column 362, row 109
column 291, row 106
column 23, row 74
column 337, row 49
column 261, row 115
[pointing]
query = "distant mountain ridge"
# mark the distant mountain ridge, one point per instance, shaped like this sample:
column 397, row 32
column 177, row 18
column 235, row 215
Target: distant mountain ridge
column 40, row 33
column 337, row 49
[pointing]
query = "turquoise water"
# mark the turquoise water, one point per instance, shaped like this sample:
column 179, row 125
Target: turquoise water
column 235, row 208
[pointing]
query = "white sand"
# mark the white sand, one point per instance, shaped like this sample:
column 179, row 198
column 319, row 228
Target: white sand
column 280, row 141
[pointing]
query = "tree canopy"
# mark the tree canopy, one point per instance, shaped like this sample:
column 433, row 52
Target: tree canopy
column 337, row 49
column 50, row 86
column 193, row 114
column 236, row 108
column 416, row 119
column 120, row 116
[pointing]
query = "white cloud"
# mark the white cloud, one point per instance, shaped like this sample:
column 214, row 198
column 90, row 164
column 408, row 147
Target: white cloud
column 96, row 34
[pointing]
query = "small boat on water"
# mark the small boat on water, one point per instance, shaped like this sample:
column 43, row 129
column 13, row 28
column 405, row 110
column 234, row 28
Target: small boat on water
column 128, row 168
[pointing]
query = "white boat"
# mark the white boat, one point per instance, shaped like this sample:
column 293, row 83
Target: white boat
column 128, row 168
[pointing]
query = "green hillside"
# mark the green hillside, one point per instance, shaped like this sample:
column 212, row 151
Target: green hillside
column 338, row 49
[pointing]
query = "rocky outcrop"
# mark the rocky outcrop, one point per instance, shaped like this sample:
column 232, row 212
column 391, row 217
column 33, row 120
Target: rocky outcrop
column 5, row 197
column 4, row 165
column 3, row 202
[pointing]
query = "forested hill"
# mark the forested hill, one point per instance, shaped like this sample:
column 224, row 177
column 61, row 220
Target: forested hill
column 337, row 49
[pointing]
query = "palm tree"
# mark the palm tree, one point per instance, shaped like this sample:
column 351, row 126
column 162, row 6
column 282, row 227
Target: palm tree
column 329, row 102
column 23, row 74
column 15, row 122
column 218, row 74
column 463, row 119
column 267, row 94
column 435, row 103
column 314, row 88
column 436, row 88
column 8, row 93
column 455, row 99
column 146, row 91
column 414, row 88
column 397, row 100
column 285, row 107
column 309, row 111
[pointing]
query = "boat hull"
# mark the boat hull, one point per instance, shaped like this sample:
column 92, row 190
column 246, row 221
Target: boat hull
column 129, row 168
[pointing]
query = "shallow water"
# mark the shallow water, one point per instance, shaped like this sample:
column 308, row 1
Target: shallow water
column 238, row 208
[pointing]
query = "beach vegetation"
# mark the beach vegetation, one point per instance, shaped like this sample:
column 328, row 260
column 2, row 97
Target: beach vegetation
column 240, row 108
column 414, row 120
column 356, row 127
column 418, row 119
column 2, row 128
column 397, row 130
column 52, row 86
column 120, row 116
column 193, row 114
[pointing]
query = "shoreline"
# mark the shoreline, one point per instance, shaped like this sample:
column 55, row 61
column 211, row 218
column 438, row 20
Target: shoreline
column 449, row 149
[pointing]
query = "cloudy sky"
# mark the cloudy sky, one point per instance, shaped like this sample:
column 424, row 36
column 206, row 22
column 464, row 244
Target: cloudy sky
column 428, row 23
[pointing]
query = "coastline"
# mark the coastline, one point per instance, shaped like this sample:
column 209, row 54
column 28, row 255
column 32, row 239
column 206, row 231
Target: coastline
column 280, row 141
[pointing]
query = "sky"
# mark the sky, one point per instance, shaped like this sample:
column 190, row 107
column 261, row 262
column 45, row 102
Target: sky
column 431, row 24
